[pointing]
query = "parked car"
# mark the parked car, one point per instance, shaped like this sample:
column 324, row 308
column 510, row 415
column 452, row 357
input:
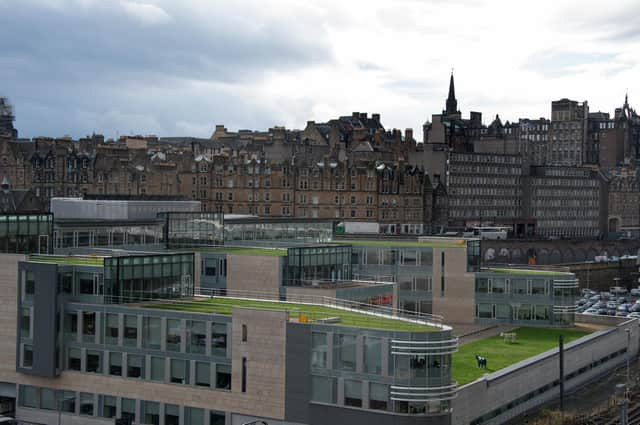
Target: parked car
column 635, row 308
column 612, row 305
column 635, row 292
column 591, row 311
column 602, row 311
column 595, row 298
column 634, row 315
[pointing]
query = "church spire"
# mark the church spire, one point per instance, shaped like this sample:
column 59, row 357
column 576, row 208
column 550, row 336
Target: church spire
column 452, row 103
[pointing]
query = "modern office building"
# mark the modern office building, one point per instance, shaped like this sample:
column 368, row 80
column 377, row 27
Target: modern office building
column 140, row 346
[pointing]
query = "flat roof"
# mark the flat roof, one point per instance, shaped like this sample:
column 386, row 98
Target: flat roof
column 526, row 271
column 300, row 312
column 71, row 260
column 264, row 252
column 453, row 243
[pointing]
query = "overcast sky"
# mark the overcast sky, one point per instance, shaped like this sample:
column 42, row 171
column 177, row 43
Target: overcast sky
column 178, row 67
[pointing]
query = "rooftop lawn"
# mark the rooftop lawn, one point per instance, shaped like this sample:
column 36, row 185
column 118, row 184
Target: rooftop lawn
column 265, row 252
column 500, row 354
column 220, row 305
column 68, row 260
column 457, row 243
column 527, row 271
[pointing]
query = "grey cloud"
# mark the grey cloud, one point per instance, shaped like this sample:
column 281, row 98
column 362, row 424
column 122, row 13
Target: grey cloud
column 556, row 64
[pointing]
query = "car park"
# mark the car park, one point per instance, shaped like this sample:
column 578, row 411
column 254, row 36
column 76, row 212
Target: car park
column 635, row 315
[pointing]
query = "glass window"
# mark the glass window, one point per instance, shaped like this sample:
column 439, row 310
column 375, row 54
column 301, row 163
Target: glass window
column 130, row 331
column 150, row 411
column 174, row 334
column 352, row 393
column 85, row 283
column 74, row 360
column 372, row 355
column 216, row 418
column 171, row 414
column 88, row 326
column 128, row 409
column 135, row 366
column 29, row 285
column 151, row 332
column 194, row 416
column 203, row 374
column 223, row 376
column 157, row 369
column 503, row 311
column 219, row 339
column 426, row 258
column 482, row 285
column 409, row 258
column 198, row 339
column 485, row 311
column 345, row 350
column 86, row 404
column 28, row 396
column 539, row 287
column 319, row 349
column 178, row 371
column 378, row 396
column 323, row 389
column 524, row 312
column 499, row 286
column 27, row 355
column 543, row 312
column 519, row 286
column 115, row 364
column 71, row 325
column 48, row 399
column 94, row 361
column 111, row 326
column 108, row 406
column 25, row 322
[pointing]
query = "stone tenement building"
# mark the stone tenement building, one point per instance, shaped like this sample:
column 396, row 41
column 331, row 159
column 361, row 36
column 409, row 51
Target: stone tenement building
column 352, row 168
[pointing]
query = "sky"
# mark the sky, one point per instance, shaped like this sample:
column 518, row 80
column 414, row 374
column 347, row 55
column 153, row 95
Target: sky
column 178, row 68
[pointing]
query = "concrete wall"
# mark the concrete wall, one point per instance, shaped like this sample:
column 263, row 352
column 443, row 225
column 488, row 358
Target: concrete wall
column 8, row 315
column 254, row 273
column 457, row 302
column 500, row 388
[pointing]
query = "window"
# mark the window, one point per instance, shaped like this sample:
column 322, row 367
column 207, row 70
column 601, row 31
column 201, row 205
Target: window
column 134, row 365
column 151, row 332
column 115, row 363
column 323, row 389
column 194, row 416
column 519, row 286
column 150, row 412
column 130, row 331
column 352, row 393
column 485, row 311
column 74, row 361
column 219, row 339
column 157, row 369
column 111, row 329
column 244, row 333
column 178, row 371
column 482, row 284
column 378, row 396
column 28, row 396
column 198, row 340
column 223, row 376
column 524, row 312
column 94, row 361
column 86, row 404
column 372, row 355
column 539, row 287
column 109, row 406
column 27, row 355
column 29, row 285
column 216, row 418
column 203, row 374
column 88, row 326
column 25, row 322
column 345, row 350
column 174, row 334
column 48, row 399
column 503, row 311
column 543, row 312
column 244, row 374
column 319, row 349
column 171, row 414
column 128, row 409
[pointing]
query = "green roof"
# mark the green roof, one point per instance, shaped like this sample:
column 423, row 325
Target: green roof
column 68, row 260
column 500, row 354
column 313, row 312
column 265, row 252
column 457, row 243
column 527, row 271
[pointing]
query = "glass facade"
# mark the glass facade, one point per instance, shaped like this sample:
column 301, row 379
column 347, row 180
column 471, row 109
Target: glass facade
column 106, row 235
column 245, row 231
column 26, row 233
column 305, row 264
column 144, row 277
column 190, row 229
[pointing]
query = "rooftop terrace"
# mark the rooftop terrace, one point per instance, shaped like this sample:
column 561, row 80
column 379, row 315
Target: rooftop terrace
column 298, row 312
column 70, row 260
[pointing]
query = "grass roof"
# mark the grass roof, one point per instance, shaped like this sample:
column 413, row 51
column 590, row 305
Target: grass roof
column 265, row 252
column 68, row 260
column 500, row 354
column 312, row 312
